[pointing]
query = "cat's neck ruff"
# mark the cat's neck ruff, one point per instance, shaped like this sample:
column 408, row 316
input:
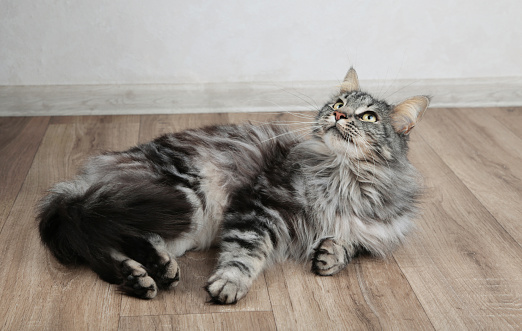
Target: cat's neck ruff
column 318, row 159
column 340, row 184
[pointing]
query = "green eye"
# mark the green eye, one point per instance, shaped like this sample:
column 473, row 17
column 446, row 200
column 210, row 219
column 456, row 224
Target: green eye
column 368, row 117
column 338, row 105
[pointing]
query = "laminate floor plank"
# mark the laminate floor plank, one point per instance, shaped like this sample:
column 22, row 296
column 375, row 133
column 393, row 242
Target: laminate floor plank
column 19, row 141
column 370, row 294
column 510, row 117
column 217, row 321
column 37, row 292
column 485, row 156
column 463, row 266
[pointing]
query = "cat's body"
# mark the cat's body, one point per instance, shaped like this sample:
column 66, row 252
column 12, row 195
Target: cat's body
column 259, row 192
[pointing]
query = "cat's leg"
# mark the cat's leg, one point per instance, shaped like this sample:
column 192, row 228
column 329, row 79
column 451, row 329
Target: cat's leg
column 330, row 256
column 151, row 251
column 246, row 245
column 163, row 267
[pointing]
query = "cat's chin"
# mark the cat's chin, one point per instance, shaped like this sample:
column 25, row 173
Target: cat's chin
column 343, row 146
column 336, row 142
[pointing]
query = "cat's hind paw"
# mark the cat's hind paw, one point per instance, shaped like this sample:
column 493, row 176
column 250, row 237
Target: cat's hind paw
column 226, row 287
column 329, row 258
column 136, row 281
column 165, row 270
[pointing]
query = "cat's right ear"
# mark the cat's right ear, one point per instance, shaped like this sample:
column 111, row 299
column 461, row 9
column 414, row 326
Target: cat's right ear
column 408, row 113
column 351, row 82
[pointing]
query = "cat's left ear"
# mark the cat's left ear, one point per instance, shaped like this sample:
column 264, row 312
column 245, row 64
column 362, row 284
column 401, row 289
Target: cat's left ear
column 351, row 82
column 406, row 114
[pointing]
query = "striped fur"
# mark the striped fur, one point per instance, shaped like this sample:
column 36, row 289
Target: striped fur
column 261, row 193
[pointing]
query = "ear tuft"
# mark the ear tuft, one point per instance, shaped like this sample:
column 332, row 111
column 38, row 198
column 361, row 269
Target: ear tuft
column 408, row 113
column 351, row 82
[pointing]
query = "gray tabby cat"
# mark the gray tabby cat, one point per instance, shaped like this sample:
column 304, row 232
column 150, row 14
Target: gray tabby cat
column 259, row 192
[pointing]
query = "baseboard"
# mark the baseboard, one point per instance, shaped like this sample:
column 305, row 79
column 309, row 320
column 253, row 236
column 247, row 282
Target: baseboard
column 243, row 97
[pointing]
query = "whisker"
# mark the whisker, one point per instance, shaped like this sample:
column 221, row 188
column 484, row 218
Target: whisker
column 358, row 161
column 364, row 141
column 396, row 77
column 284, row 134
column 383, row 158
column 300, row 114
column 345, row 155
column 300, row 96
column 283, row 110
column 282, row 123
column 402, row 88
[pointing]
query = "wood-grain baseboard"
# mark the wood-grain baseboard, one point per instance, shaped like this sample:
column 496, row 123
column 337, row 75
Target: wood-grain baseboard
column 243, row 97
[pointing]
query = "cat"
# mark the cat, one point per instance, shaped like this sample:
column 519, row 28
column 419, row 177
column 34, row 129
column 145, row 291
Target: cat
column 262, row 193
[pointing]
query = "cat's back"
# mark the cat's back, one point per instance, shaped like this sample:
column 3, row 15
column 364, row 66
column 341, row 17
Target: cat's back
column 230, row 154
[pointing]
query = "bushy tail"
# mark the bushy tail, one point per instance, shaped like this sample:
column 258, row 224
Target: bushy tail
column 60, row 224
column 83, row 224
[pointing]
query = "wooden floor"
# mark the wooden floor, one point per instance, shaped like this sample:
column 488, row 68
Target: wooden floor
column 462, row 269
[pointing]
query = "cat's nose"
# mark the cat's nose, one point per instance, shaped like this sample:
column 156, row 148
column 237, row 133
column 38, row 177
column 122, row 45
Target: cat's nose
column 338, row 115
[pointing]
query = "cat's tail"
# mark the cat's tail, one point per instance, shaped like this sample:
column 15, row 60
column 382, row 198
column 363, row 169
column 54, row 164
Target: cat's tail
column 85, row 223
column 60, row 221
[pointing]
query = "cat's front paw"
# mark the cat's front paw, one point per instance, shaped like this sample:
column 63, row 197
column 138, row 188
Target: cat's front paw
column 227, row 287
column 329, row 258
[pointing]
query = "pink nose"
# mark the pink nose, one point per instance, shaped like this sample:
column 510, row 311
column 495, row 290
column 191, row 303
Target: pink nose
column 338, row 115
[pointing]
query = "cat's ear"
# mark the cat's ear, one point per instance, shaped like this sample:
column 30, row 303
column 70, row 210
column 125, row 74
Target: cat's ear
column 406, row 114
column 351, row 82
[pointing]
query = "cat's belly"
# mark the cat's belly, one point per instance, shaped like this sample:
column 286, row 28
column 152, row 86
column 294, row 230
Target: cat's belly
column 209, row 205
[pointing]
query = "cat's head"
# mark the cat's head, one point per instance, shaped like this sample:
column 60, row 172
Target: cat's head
column 360, row 126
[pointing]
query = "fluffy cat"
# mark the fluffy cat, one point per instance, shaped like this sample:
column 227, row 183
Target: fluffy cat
column 261, row 193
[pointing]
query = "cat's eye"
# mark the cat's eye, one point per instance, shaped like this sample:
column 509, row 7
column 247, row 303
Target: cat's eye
column 368, row 117
column 338, row 105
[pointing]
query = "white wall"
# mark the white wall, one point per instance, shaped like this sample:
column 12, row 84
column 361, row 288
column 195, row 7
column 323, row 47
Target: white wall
column 50, row 42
